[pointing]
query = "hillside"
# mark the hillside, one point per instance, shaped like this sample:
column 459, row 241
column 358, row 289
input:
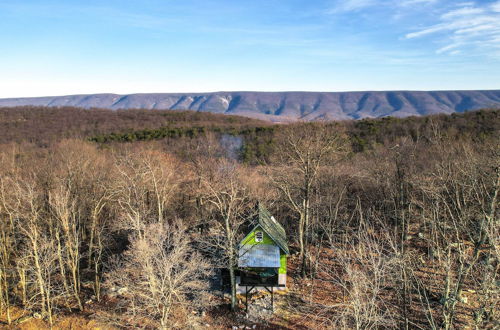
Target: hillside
column 98, row 208
column 43, row 125
column 285, row 106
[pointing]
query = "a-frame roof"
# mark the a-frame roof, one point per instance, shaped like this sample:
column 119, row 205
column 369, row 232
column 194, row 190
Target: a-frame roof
column 268, row 223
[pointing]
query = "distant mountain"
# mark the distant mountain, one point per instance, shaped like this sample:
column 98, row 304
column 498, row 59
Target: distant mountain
column 286, row 106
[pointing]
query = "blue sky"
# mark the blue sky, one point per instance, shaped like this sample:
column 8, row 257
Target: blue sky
column 71, row 47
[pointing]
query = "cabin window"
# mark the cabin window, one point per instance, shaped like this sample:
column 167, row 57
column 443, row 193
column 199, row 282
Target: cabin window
column 259, row 236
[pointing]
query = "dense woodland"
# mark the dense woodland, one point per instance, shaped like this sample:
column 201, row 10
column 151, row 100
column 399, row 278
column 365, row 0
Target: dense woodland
column 123, row 218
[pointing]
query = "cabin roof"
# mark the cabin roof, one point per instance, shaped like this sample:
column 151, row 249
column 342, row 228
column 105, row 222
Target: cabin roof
column 268, row 223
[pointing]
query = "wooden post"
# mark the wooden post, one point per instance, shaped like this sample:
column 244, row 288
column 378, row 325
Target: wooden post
column 272, row 299
column 246, row 296
column 271, row 291
column 246, row 299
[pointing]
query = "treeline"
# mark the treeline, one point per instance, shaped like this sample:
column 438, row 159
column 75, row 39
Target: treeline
column 404, row 234
column 49, row 124
column 259, row 142
column 476, row 125
column 178, row 132
column 45, row 125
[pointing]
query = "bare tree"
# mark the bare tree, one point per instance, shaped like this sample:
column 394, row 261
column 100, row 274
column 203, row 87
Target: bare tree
column 369, row 265
column 300, row 153
column 68, row 235
column 222, row 183
column 161, row 275
column 145, row 184
column 40, row 248
column 7, row 247
column 461, row 205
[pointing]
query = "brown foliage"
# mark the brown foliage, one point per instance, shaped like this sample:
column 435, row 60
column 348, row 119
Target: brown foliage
column 405, row 232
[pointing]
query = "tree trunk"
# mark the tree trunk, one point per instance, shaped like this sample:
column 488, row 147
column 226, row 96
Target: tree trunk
column 4, row 295
column 233, row 287
column 62, row 267
column 39, row 274
column 21, row 271
column 302, row 254
column 76, row 284
column 230, row 251
column 304, row 224
column 91, row 240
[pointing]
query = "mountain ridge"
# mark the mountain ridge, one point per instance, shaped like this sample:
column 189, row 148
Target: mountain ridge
column 284, row 106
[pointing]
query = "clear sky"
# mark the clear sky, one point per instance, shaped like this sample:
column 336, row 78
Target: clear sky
column 56, row 47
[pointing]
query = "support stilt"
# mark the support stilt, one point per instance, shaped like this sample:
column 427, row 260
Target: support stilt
column 246, row 296
column 272, row 299
column 271, row 291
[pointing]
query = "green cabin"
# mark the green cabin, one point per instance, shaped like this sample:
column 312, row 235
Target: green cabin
column 262, row 254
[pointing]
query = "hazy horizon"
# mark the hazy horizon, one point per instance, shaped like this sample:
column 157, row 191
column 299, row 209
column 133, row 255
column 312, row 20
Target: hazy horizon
column 255, row 91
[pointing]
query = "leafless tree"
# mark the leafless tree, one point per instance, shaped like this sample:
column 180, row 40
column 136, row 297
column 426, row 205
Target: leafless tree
column 145, row 184
column 39, row 248
column 365, row 268
column 160, row 274
column 224, row 190
column 461, row 208
column 7, row 248
column 68, row 236
column 300, row 153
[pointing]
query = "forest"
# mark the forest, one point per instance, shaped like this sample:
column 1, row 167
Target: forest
column 122, row 219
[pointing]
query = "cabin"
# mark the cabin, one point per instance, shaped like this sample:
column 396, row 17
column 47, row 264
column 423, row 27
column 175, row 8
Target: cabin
column 262, row 254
